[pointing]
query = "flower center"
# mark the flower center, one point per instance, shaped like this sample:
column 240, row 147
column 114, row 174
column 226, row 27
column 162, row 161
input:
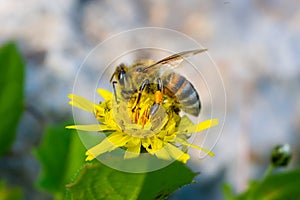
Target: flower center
column 140, row 114
column 134, row 117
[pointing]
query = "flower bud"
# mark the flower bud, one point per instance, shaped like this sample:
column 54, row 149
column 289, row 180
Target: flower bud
column 281, row 155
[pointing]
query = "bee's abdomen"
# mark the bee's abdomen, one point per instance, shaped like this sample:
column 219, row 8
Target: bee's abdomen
column 184, row 91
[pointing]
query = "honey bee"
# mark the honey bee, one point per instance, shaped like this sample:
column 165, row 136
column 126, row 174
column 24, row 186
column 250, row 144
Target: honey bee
column 159, row 79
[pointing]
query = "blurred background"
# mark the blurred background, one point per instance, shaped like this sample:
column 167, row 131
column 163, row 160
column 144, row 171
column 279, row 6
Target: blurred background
column 255, row 44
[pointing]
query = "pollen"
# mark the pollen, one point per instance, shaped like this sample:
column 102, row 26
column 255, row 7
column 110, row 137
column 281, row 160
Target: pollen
column 158, row 97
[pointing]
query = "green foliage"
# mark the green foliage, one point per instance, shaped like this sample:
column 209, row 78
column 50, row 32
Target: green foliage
column 97, row 181
column 61, row 155
column 227, row 191
column 11, row 93
column 277, row 186
column 9, row 193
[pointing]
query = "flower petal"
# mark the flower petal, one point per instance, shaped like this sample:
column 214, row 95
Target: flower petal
column 207, row 124
column 182, row 141
column 113, row 141
column 184, row 158
column 133, row 151
column 134, row 141
column 90, row 127
column 198, row 127
column 157, row 144
column 89, row 156
column 81, row 102
column 163, row 154
column 176, row 153
column 99, row 110
column 107, row 95
column 129, row 154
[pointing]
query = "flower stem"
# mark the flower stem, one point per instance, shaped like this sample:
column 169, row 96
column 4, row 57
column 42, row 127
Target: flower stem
column 269, row 171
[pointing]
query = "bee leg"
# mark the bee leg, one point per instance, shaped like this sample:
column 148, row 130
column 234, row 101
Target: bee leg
column 158, row 96
column 114, row 88
column 141, row 89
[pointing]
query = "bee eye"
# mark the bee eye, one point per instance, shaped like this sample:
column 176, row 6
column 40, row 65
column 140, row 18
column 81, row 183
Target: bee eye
column 121, row 77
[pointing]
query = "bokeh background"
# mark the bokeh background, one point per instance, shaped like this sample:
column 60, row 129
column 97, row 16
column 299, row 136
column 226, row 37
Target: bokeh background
column 255, row 44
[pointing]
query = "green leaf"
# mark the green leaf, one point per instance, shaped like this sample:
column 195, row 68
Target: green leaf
column 227, row 191
column 278, row 186
column 11, row 94
column 97, row 181
column 61, row 155
column 7, row 193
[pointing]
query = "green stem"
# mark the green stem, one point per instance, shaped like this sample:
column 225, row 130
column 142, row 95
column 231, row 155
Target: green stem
column 269, row 171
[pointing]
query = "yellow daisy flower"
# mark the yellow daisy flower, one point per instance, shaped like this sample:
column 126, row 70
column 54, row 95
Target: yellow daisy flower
column 164, row 134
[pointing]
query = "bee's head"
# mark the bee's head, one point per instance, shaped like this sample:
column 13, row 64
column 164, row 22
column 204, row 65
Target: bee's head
column 120, row 74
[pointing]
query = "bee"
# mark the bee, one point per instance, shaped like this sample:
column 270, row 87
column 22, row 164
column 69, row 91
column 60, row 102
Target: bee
column 158, row 79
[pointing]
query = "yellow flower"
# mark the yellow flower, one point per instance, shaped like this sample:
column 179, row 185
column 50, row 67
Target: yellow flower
column 164, row 134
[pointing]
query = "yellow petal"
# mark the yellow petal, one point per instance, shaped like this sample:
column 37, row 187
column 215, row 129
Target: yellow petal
column 176, row 153
column 119, row 139
column 184, row 158
column 113, row 141
column 170, row 138
column 90, row 127
column 170, row 128
column 81, row 102
column 89, row 156
column 207, row 124
column 107, row 95
column 146, row 142
column 157, row 144
column 100, row 110
column 129, row 154
column 163, row 154
column 198, row 127
column 134, row 142
column 133, row 151
column 182, row 141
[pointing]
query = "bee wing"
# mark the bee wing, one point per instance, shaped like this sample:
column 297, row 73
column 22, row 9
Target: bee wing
column 174, row 60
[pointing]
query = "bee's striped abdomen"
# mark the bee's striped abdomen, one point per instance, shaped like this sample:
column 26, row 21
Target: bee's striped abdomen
column 184, row 91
